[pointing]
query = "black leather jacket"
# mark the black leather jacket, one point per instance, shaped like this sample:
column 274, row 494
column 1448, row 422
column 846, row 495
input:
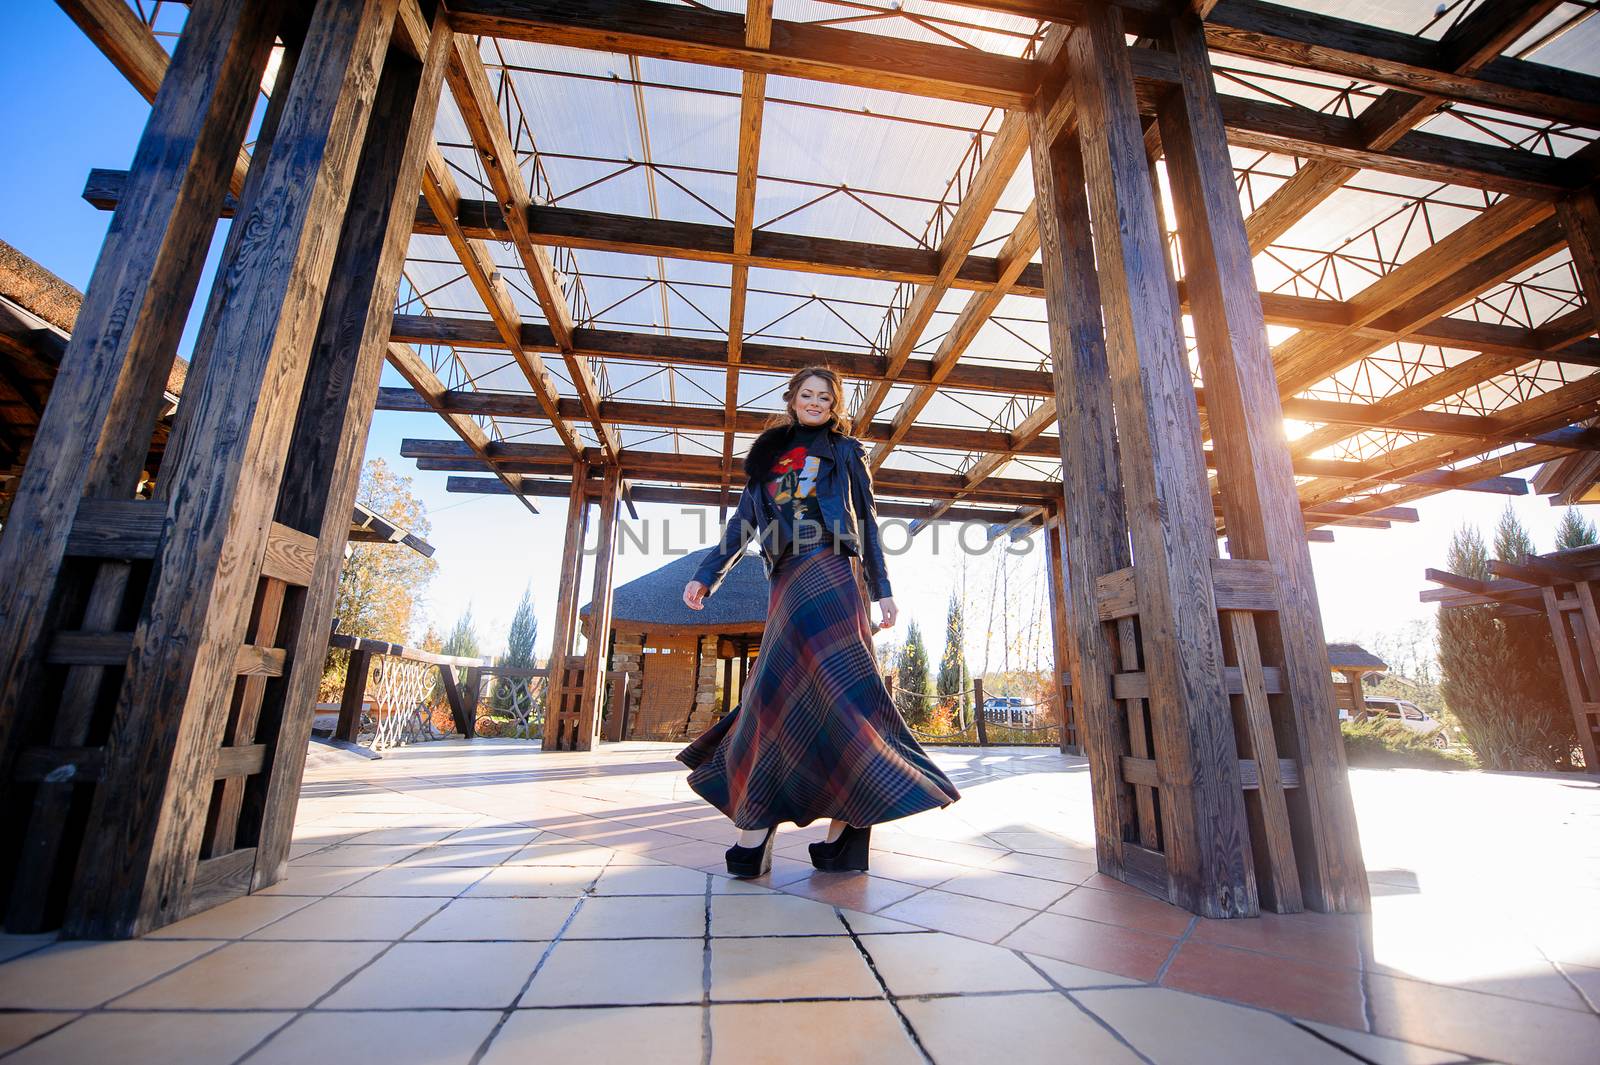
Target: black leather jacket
column 844, row 493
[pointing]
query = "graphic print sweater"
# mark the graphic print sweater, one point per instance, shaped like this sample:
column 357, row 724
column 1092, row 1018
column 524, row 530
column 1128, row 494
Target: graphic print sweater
column 792, row 486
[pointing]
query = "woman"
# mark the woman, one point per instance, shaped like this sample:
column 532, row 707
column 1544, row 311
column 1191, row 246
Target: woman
column 815, row 733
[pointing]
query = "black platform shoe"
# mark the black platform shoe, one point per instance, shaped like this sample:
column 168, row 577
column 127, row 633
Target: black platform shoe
column 848, row 852
column 752, row 861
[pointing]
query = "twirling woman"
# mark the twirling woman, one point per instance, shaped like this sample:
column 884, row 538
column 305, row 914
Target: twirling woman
column 815, row 733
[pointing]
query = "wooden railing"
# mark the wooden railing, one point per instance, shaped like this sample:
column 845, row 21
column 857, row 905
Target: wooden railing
column 978, row 731
column 400, row 679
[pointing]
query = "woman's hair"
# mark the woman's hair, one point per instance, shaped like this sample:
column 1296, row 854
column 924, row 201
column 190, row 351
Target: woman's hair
column 839, row 418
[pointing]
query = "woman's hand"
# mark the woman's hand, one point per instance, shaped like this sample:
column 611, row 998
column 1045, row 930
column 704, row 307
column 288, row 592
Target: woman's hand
column 889, row 611
column 694, row 594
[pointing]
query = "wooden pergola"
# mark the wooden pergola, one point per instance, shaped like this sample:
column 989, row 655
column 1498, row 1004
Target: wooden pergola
column 1562, row 587
column 1107, row 352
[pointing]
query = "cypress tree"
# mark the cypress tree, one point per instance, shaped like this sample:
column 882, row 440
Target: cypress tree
column 1574, row 531
column 954, row 677
column 913, row 684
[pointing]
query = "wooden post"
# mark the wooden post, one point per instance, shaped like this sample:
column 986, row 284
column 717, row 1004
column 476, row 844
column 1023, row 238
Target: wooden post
column 335, row 417
column 982, row 718
column 1205, row 832
column 1094, row 522
column 228, row 598
column 597, row 650
column 1060, row 625
column 355, row 693
column 1259, row 500
column 556, row 687
column 1582, row 699
column 96, row 428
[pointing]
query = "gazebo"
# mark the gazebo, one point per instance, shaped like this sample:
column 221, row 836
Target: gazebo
column 672, row 654
column 1078, row 259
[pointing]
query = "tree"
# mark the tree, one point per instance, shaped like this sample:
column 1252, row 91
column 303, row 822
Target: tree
column 1528, row 688
column 913, row 679
column 1479, row 678
column 1574, row 531
column 954, row 677
column 514, row 695
column 379, row 584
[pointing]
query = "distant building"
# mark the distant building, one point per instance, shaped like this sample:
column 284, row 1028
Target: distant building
column 687, row 667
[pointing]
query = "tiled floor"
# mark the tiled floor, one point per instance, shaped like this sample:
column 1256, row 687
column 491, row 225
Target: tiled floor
column 489, row 903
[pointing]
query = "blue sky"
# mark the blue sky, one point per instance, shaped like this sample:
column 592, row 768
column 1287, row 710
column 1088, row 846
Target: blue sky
column 65, row 110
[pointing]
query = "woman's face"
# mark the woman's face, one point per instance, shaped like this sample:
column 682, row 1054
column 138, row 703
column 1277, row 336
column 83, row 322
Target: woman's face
column 813, row 401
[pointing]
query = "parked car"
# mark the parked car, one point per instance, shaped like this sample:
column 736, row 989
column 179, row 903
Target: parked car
column 1005, row 710
column 1407, row 713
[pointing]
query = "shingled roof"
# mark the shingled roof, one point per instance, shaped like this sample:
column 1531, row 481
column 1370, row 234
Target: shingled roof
column 656, row 599
column 1353, row 656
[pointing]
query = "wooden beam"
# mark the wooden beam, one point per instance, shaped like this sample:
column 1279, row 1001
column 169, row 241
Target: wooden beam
column 793, row 49
column 117, row 31
column 1205, row 835
column 752, row 100
column 1094, row 528
column 469, row 84
column 1471, row 43
column 1309, row 40
column 1263, row 514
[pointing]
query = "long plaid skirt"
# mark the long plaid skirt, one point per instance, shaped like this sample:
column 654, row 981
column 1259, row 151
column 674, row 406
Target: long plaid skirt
column 815, row 733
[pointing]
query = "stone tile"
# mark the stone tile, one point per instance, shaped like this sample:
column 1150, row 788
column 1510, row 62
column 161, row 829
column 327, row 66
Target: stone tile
column 1491, row 1026
column 789, row 967
column 937, row 963
column 80, row 974
column 861, row 923
column 1026, row 891
column 806, row 1033
column 1286, row 985
column 399, row 1038
column 235, row 919
column 857, row 891
column 473, row 857
column 692, row 854
column 638, row 917
column 1015, row 1029
column 255, row 975
column 170, row 1038
column 1588, row 981
column 1178, row 1029
column 363, row 855
column 961, row 915
column 17, row 946
column 1380, row 1051
column 419, row 835
column 1132, row 911
column 495, row 834
column 317, row 880
column 1072, row 976
column 551, row 851
column 1107, row 947
column 650, row 880
column 441, row 976
column 1323, row 938
column 531, row 881
column 910, row 869
column 415, row 881
column 497, row 920
column 19, row 1028
column 353, row 918
column 659, row 1035
column 619, row 972
column 771, row 915
column 1061, row 870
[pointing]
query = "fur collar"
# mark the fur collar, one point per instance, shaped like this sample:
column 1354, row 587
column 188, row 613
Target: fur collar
column 770, row 444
